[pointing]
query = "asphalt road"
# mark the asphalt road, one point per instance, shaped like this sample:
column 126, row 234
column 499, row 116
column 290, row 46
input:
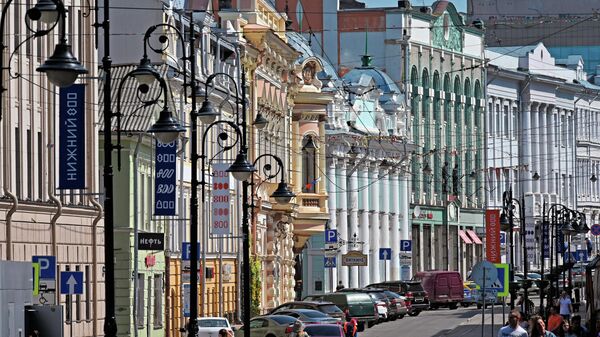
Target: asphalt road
column 462, row 322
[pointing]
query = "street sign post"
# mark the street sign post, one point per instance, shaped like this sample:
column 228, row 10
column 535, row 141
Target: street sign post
column 186, row 249
column 405, row 245
column 330, row 262
column 385, row 254
column 47, row 278
column 331, row 236
column 484, row 273
column 71, row 282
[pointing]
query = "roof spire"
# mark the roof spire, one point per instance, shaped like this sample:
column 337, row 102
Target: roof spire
column 366, row 58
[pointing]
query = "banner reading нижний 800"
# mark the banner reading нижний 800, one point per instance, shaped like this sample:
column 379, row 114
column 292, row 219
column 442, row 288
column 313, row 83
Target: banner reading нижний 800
column 165, row 179
column 72, row 137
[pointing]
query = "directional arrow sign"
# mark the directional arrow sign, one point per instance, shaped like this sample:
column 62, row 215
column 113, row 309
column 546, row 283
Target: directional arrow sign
column 385, row 254
column 71, row 282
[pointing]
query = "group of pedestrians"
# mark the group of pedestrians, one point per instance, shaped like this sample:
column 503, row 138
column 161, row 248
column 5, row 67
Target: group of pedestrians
column 558, row 324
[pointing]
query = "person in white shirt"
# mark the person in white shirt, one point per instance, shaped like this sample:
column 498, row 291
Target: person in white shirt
column 566, row 307
column 513, row 329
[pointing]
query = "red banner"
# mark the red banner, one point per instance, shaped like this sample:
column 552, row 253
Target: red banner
column 492, row 235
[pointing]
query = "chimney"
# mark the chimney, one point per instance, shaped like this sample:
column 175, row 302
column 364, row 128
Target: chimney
column 404, row 4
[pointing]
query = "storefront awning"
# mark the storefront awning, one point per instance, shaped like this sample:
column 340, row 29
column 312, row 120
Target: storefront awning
column 464, row 236
column 474, row 237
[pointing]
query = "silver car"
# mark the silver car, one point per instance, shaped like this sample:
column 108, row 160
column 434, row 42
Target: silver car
column 269, row 326
column 210, row 326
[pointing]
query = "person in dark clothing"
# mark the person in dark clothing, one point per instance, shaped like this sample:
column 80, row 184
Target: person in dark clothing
column 340, row 286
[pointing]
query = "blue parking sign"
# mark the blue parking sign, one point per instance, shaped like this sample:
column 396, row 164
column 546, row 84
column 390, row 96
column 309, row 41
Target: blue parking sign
column 47, row 266
column 331, row 236
column 186, row 250
column 405, row 245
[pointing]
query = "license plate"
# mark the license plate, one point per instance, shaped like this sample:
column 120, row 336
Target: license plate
column 418, row 298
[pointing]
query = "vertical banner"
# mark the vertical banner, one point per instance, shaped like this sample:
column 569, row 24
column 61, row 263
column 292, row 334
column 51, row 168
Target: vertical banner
column 530, row 241
column 221, row 200
column 492, row 235
column 165, row 178
column 546, row 239
column 72, row 137
column 560, row 241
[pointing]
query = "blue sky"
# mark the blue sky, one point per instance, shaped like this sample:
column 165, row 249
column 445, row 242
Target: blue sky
column 461, row 5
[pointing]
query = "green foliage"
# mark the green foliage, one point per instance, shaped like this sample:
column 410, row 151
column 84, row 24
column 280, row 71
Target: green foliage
column 255, row 286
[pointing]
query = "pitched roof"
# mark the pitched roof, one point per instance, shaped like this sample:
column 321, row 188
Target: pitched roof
column 136, row 117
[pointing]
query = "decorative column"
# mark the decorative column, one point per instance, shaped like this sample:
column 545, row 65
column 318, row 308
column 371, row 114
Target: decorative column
column 384, row 238
column 353, row 209
column 552, row 183
column 363, row 176
column 342, row 221
column 395, row 226
column 322, row 160
column 374, row 239
column 526, row 145
column 297, row 156
column 543, row 143
column 405, row 233
column 535, row 155
column 333, row 208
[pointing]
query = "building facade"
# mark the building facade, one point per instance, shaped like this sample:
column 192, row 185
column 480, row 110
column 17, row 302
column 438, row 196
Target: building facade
column 38, row 216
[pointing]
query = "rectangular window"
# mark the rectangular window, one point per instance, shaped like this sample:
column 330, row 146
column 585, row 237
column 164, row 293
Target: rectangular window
column 158, row 300
column 17, row 160
column 88, row 293
column 498, row 115
column 29, row 42
column 140, row 300
column 506, row 122
column 149, row 299
column 564, row 130
column 17, row 26
column 29, row 166
column 491, row 120
column 515, row 123
column 77, row 302
column 68, row 304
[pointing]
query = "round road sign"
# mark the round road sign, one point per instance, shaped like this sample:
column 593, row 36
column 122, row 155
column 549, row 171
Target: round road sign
column 484, row 273
column 595, row 229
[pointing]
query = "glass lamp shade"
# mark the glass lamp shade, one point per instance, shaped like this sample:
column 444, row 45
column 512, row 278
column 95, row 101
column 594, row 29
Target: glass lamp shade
column 504, row 222
column 260, row 122
column 62, row 68
column 166, row 129
column 283, row 194
column 48, row 12
column 241, row 168
column 145, row 73
column 207, row 113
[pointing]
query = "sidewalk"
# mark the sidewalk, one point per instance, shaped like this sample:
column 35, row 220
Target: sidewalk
column 472, row 326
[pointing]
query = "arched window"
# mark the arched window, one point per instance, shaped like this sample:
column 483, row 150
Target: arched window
column 309, row 165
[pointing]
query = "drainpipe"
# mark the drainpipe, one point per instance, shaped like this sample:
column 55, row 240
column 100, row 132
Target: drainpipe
column 9, row 215
column 95, row 262
column 53, row 222
column 135, row 235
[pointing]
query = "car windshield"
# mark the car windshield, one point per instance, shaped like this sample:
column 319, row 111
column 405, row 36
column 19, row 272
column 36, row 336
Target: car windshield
column 281, row 319
column 391, row 294
column 414, row 287
column 314, row 314
column 330, row 308
column 379, row 296
column 323, row 330
column 212, row 323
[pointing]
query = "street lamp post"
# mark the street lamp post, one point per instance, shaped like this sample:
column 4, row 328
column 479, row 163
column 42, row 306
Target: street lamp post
column 507, row 221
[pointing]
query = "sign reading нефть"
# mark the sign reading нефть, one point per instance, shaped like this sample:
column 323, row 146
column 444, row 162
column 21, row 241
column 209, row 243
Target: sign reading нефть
column 151, row 241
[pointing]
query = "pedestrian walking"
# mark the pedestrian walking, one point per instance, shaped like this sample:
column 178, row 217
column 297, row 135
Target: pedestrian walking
column 566, row 306
column 539, row 328
column 577, row 329
column 340, row 286
column 513, row 329
column 350, row 325
column 554, row 319
column 225, row 333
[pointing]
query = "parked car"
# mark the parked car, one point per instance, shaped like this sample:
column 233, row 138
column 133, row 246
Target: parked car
column 401, row 307
column 416, row 297
column 210, row 326
column 578, row 274
column 324, row 307
column 324, row 330
column 359, row 305
column 269, row 326
column 445, row 288
column 309, row 316
column 533, row 289
column 379, row 299
column 472, row 295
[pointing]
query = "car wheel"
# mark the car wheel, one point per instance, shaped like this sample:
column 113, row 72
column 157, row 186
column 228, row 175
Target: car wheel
column 401, row 316
column 479, row 306
column 465, row 305
column 393, row 318
column 433, row 307
column 413, row 313
column 453, row 306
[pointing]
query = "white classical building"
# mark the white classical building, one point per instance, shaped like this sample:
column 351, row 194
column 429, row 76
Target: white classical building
column 541, row 113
